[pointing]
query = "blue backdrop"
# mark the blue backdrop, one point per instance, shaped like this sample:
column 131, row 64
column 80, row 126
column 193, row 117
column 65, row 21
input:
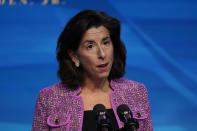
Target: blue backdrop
column 161, row 41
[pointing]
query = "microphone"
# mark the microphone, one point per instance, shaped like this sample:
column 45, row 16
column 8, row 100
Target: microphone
column 125, row 115
column 102, row 120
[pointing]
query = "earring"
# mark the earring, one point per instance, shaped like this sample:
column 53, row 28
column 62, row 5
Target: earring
column 77, row 64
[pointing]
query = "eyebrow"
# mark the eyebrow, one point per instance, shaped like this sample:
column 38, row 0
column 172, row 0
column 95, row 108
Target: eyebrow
column 89, row 41
column 105, row 38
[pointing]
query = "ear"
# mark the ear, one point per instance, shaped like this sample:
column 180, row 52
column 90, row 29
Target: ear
column 73, row 56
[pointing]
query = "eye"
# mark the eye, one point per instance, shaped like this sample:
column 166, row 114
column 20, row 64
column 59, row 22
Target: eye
column 106, row 42
column 89, row 46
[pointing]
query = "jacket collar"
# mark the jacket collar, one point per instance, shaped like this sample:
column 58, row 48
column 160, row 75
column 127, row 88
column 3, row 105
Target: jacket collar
column 113, row 84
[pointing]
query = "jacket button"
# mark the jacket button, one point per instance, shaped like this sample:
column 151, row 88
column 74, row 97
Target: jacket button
column 138, row 115
column 57, row 121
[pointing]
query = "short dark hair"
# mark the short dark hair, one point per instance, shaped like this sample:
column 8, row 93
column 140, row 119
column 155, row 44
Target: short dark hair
column 71, row 37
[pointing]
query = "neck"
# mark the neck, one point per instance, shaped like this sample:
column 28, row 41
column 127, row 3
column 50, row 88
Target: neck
column 96, row 85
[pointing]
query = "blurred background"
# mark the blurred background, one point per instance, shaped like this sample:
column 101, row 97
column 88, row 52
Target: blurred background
column 161, row 41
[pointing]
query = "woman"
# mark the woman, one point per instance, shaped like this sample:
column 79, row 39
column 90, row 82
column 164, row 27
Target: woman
column 91, row 60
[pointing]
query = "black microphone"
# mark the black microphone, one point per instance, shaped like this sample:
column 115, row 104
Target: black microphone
column 125, row 115
column 102, row 120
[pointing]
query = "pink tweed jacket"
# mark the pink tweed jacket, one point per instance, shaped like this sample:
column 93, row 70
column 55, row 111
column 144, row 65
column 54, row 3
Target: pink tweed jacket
column 60, row 108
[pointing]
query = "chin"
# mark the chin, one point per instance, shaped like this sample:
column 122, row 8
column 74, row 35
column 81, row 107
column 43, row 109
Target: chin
column 103, row 76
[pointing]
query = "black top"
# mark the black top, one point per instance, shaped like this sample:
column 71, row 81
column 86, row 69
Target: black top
column 89, row 120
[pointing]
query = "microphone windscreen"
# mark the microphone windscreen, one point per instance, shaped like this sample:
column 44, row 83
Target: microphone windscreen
column 99, row 108
column 121, row 109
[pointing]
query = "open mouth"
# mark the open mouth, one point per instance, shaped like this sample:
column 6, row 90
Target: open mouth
column 102, row 65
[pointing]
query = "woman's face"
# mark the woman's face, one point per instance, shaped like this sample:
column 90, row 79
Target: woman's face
column 95, row 53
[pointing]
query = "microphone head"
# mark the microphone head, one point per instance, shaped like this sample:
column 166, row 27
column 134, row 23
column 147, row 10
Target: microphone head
column 99, row 108
column 126, row 116
column 102, row 120
column 122, row 111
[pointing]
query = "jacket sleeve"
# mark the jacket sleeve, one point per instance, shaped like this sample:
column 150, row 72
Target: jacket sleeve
column 40, row 114
column 145, row 102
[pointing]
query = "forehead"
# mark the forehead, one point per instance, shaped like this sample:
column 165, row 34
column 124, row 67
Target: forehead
column 96, row 33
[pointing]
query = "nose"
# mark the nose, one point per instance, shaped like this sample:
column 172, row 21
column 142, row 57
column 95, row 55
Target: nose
column 101, row 53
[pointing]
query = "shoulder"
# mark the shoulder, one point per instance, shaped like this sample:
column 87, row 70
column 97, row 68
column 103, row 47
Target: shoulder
column 128, row 85
column 55, row 89
column 49, row 89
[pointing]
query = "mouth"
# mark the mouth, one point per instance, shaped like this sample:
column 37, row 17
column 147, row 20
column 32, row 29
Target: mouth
column 102, row 65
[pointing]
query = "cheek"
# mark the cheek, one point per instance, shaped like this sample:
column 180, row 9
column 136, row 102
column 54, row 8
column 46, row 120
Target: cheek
column 111, row 54
column 87, row 60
